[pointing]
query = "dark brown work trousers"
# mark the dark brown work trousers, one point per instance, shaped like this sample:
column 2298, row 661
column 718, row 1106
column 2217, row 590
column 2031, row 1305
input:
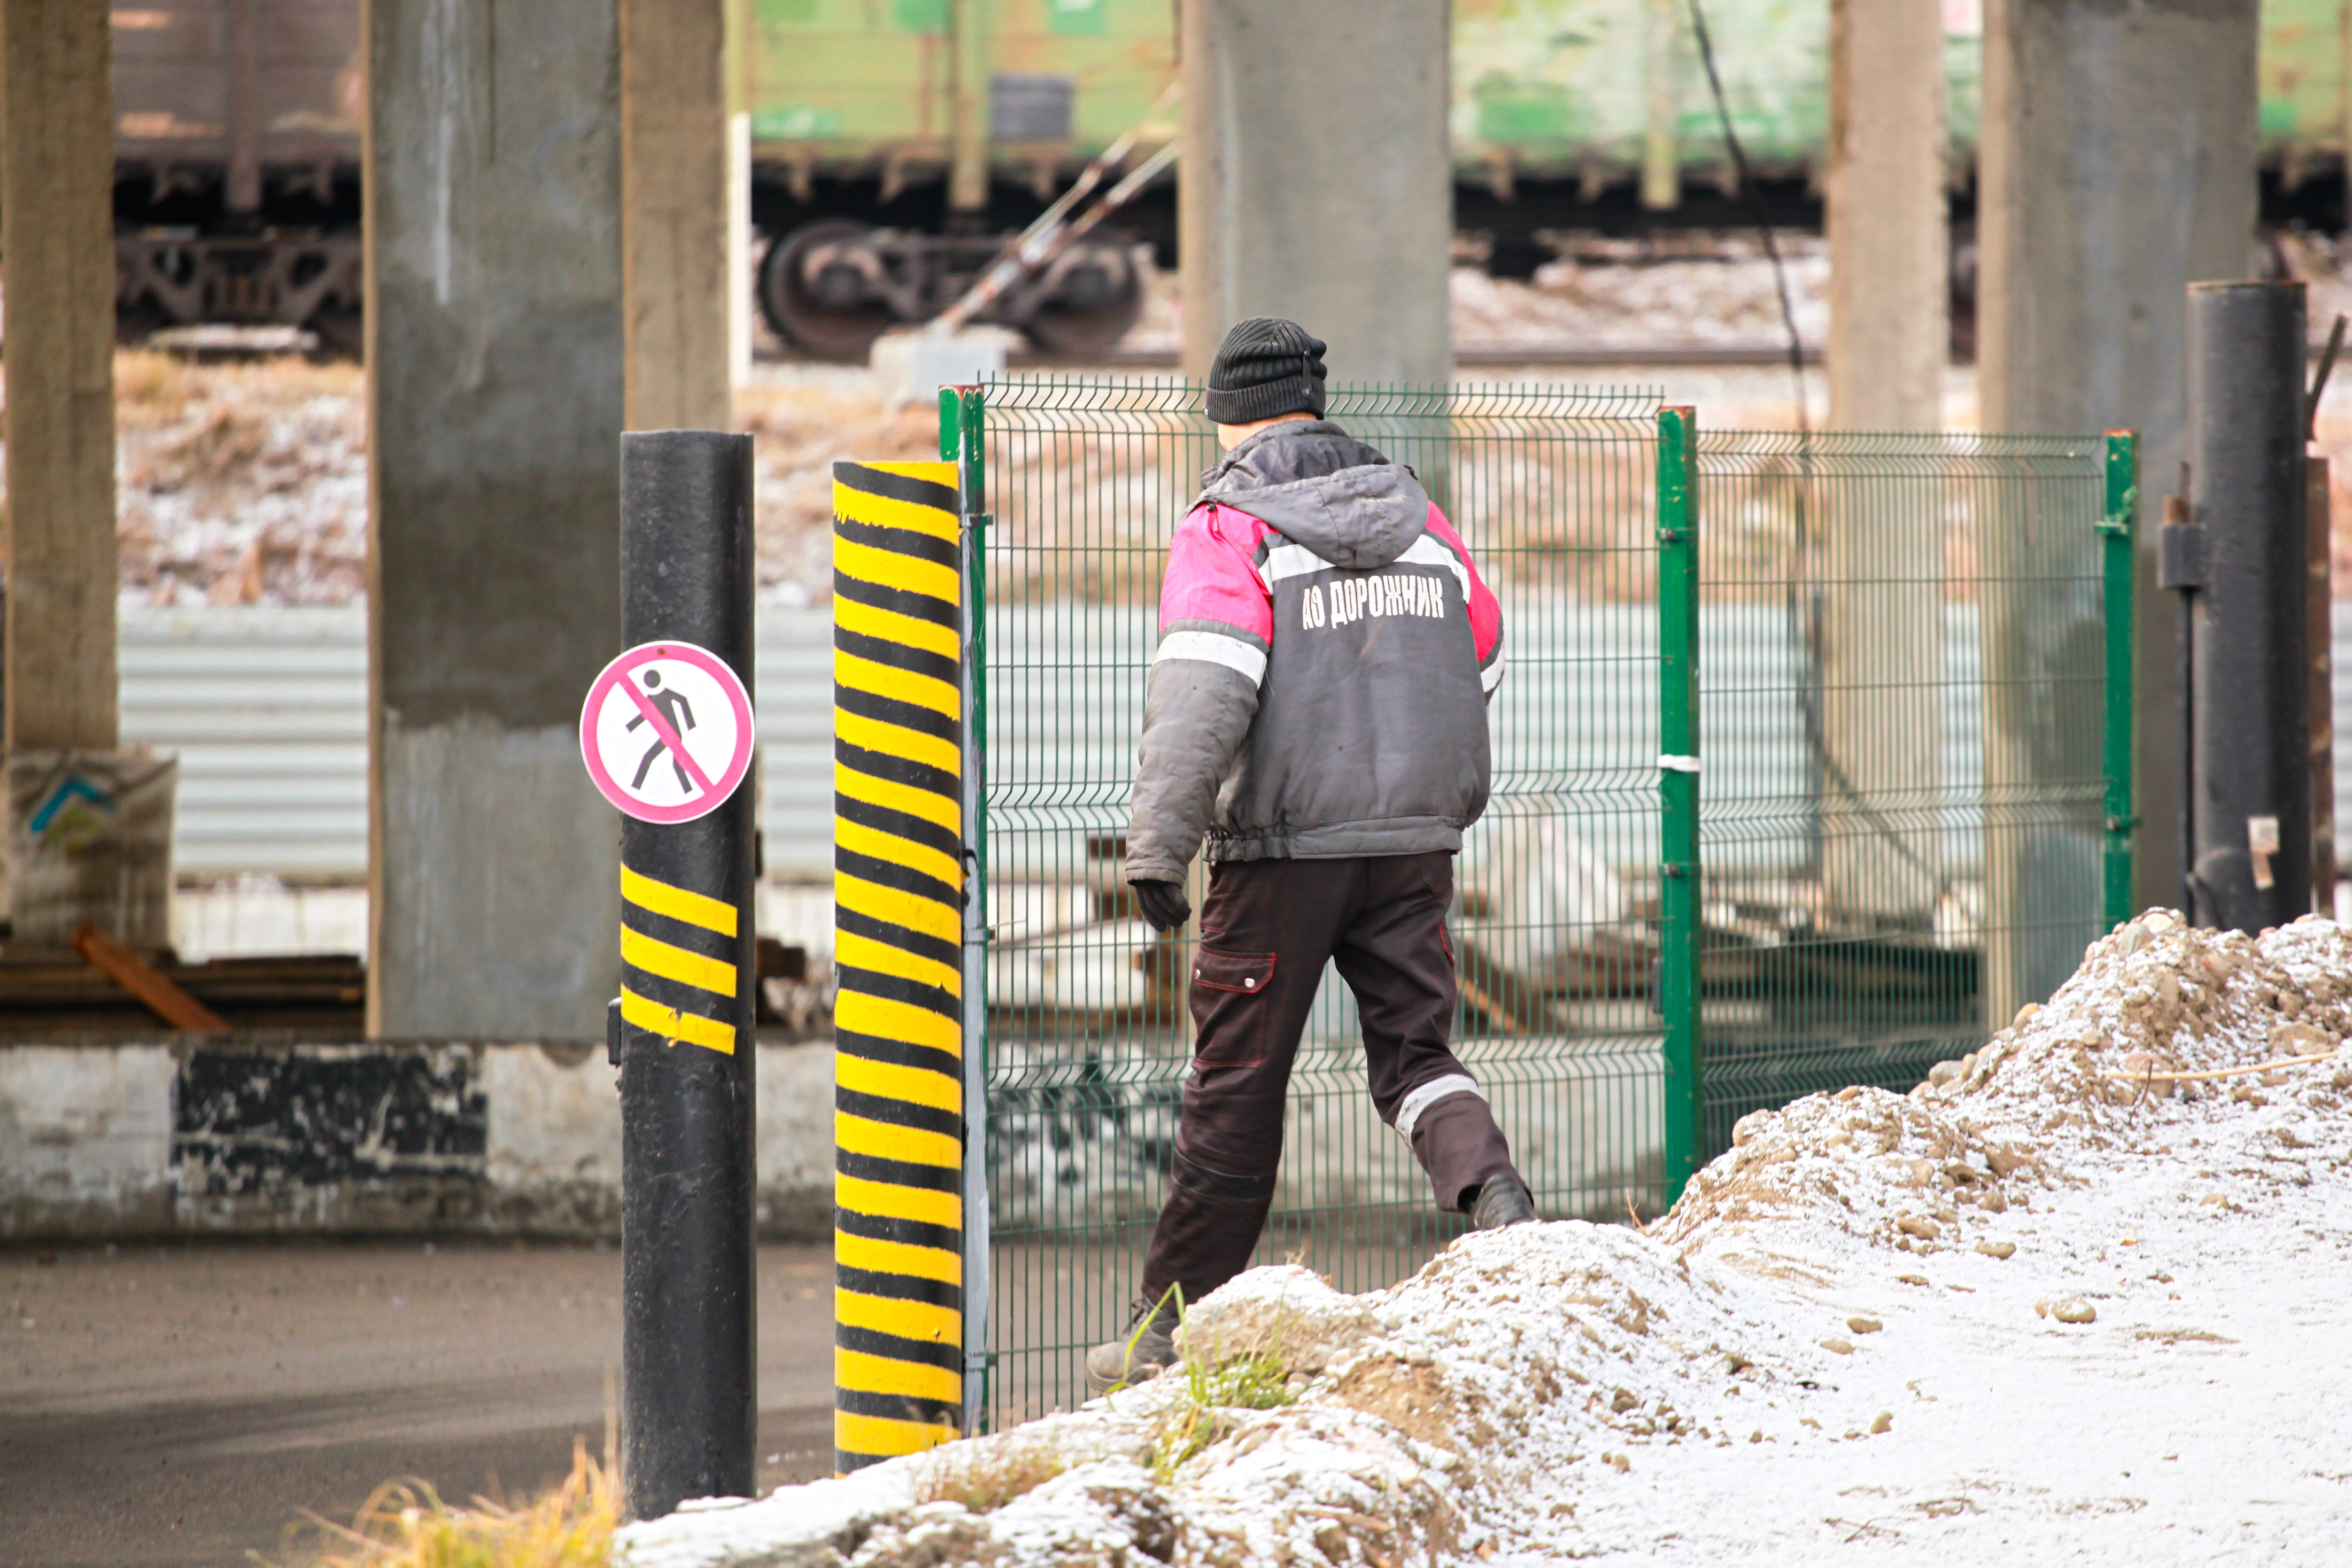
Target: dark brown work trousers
column 1267, row 929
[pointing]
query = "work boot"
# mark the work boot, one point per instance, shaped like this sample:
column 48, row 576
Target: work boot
column 1502, row 1200
column 1140, row 1355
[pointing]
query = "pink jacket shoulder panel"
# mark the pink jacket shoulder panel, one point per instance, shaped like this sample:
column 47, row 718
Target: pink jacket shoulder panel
column 1486, row 611
column 1213, row 584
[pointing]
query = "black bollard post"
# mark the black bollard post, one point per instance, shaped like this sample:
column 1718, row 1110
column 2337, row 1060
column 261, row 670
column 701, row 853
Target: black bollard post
column 2250, row 809
column 689, row 1394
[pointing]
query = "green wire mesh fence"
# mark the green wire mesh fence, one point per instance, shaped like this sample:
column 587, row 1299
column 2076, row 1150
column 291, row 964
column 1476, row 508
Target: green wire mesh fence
column 1865, row 911
column 1088, row 1029
column 1905, row 666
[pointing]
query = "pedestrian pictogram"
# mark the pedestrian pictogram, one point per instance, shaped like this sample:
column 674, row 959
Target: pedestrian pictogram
column 667, row 732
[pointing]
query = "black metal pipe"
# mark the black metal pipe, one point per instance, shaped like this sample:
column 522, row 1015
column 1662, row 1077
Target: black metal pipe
column 689, row 1395
column 2250, row 775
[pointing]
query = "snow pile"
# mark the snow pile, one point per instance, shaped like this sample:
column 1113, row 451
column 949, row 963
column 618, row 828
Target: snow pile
column 1423, row 1420
column 2110, row 1244
column 2159, row 1012
column 1699, row 290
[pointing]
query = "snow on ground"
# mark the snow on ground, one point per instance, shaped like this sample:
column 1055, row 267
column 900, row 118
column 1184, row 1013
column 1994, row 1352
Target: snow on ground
column 1692, row 289
column 2057, row 1307
column 240, row 483
column 246, row 483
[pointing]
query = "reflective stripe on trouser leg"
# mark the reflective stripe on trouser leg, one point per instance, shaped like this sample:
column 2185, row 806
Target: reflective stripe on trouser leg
column 899, row 1129
column 1416, row 1100
column 1457, row 1143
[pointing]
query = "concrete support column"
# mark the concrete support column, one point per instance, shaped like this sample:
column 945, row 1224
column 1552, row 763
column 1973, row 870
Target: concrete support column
column 741, row 258
column 494, row 354
column 1317, row 179
column 740, row 254
column 2116, row 167
column 1662, row 22
column 56, row 243
column 1883, row 603
column 676, row 196
column 1886, row 215
column 969, row 129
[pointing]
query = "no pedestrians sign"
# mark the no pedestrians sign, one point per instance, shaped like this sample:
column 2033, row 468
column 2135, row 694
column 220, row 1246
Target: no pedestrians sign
column 667, row 732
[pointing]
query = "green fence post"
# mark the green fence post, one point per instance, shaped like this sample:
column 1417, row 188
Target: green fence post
column 963, row 440
column 2117, row 564
column 1678, row 868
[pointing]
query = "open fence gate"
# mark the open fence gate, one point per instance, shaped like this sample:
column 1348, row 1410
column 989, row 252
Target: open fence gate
column 1902, row 662
column 1915, row 685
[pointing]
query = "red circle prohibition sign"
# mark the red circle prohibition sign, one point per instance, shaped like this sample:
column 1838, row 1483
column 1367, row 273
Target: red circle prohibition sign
column 667, row 732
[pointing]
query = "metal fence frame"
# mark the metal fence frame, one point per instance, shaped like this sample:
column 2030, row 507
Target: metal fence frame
column 2060, row 549
column 1675, row 515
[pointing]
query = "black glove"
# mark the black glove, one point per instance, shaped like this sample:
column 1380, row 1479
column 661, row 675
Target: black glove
column 1162, row 904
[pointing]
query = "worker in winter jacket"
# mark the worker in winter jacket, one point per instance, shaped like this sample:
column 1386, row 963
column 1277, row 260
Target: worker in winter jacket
column 1317, row 712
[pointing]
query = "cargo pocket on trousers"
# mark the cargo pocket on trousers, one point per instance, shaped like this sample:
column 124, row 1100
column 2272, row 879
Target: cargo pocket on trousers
column 1229, row 1006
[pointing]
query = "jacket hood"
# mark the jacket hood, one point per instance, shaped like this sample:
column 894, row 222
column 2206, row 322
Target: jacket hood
column 1319, row 487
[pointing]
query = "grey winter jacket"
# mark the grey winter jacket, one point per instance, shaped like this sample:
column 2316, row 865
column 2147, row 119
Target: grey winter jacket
column 1326, row 651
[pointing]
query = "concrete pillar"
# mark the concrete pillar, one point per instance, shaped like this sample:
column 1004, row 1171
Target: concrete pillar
column 1661, row 163
column 676, row 194
column 969, row 129
column 242, row 47
column 2116, row 167
column 1317, row 179
column 1886, row 215
column 742, row 255
column 494, row 354
column 1883, row 607
column 57, row 242
column 741, row 252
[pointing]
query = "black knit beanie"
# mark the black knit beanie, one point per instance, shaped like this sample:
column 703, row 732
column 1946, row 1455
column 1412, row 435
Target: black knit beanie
column 1266, row 366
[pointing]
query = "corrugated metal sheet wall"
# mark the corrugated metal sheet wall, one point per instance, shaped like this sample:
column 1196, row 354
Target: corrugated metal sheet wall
column 268, row 709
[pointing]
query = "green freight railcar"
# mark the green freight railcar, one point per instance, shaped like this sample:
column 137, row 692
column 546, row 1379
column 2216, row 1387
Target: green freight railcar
column 882, row 128
column 878, row 89
column 237, row 195
column 1591, row 92
column 1550, row 88
column 2306, row 82
column 875, row 87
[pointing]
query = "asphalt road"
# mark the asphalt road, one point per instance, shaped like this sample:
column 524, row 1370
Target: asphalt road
column 185, row 1404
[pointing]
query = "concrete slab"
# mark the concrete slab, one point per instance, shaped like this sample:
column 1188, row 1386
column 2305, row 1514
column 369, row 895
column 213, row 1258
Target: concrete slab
column 181, row 1405
column 268, row 1137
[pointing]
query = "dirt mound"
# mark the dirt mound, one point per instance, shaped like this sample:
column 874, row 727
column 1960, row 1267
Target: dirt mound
column 2123, row 1207
column 2160, row 1015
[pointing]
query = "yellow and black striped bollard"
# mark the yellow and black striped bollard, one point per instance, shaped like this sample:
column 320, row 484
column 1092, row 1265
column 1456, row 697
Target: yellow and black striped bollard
column 898, row 880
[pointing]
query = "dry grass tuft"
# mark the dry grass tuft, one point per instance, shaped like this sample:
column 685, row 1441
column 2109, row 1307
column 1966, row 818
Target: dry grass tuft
column 1215, row 1385
column 145, row 380
column 406, row 1525
column 985, row 1473
column 241, row 484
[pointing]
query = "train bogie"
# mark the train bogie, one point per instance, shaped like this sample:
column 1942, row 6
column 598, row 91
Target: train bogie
column 895, row 142
column 236, row 164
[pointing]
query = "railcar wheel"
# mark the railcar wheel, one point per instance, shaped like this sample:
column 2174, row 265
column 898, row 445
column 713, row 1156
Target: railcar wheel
column 343, row 335
column 830, row 317
column 1099, row 300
